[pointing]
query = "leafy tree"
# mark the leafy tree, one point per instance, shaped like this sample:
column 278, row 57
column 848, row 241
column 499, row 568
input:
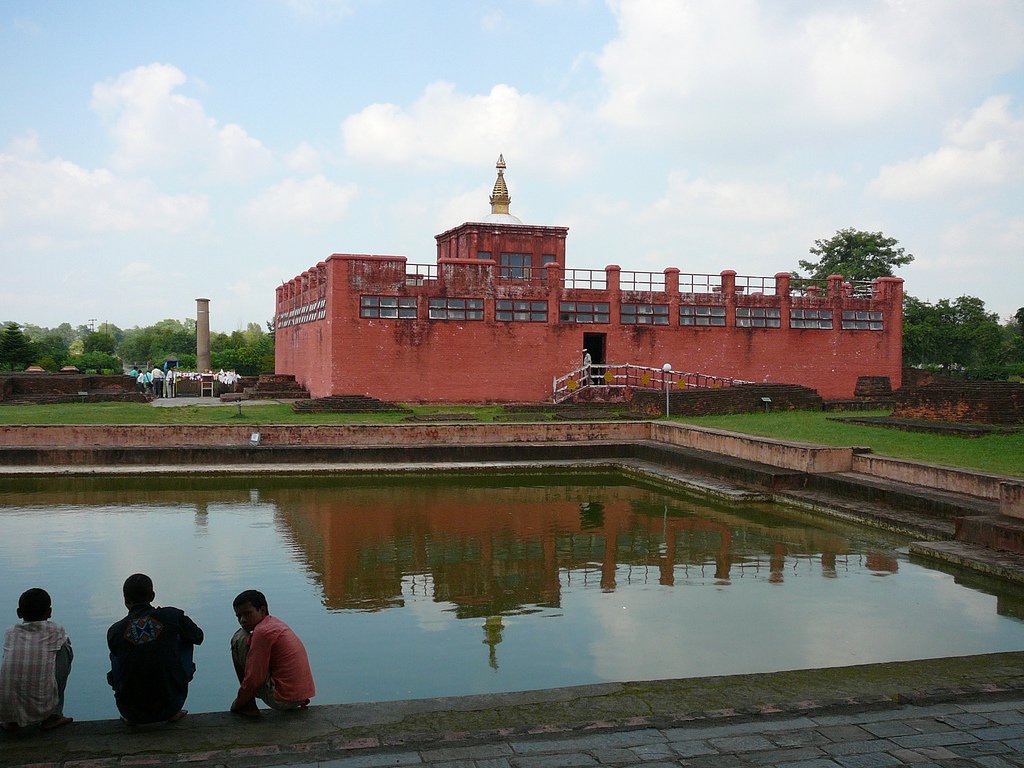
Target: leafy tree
column 51, row 350
column 16, row 350
column 855, row 255
column 954, row 335
column 96, row 362
column 100, row 342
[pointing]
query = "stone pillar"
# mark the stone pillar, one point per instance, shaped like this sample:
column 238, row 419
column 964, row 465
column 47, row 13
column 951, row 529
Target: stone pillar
column 203, row 334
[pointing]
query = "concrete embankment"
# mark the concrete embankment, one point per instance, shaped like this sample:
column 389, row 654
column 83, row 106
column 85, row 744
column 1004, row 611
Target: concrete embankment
column 397, row 733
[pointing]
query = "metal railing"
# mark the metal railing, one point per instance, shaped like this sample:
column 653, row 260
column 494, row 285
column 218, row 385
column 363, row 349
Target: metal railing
column 420, row 274
column 689, row 283
column 750, row 284
column 629, row 376
column 642, row 281
column 585, row 278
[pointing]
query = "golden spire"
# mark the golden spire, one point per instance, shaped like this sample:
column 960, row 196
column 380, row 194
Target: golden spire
column 499, row 197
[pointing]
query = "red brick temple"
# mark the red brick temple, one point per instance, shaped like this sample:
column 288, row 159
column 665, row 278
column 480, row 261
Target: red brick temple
column 501, row 318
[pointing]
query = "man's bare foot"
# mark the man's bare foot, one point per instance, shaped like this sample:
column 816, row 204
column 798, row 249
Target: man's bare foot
column 55, row 721
column 10, row 727
column 246, row 710
column 177, row 716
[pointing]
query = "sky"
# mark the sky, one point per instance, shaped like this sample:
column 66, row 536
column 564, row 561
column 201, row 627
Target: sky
column 153, row 153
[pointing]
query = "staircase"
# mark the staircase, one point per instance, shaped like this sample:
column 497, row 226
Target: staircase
column 275, row 386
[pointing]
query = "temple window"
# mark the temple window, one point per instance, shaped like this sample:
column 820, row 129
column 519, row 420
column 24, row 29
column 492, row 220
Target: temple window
column 583, row 312
column 811, row 318
column 521, row 311
column 456, row 309
column 384, row 307
column 515, row 266
column 758, row 317
column 701, row 314
column 644, row 314
column 861, row 320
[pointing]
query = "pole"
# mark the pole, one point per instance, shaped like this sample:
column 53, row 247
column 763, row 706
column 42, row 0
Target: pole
column 666, row 369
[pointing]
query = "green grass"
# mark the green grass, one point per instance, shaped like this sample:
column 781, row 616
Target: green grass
column 228, row 413
column 1000, row 454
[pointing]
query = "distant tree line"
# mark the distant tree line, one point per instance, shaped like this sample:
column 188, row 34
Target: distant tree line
column 957, row 337
column 113, row 350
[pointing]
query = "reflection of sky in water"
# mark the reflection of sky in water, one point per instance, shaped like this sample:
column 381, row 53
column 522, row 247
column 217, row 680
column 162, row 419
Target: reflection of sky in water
column 577, row 620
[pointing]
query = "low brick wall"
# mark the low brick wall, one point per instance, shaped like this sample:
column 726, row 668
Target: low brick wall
column 990, row 402
column 984, row 486
column 743, row 398
column 187, row 435
column 798, row 456
column 795, row 456
column 42, row 385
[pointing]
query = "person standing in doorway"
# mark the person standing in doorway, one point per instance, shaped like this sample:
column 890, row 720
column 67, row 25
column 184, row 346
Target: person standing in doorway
column 586, row 366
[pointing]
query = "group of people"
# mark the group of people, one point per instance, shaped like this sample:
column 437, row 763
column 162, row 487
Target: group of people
column 151, row 661
column 157, row 382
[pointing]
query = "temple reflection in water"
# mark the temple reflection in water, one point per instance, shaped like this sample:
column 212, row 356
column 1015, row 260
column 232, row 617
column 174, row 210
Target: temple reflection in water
column 500, row 550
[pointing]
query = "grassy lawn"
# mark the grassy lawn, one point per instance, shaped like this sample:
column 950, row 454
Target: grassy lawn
column 228, row 413
column 1001, row 454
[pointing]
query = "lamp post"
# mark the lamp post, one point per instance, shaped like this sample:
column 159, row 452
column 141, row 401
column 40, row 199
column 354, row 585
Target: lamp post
column 666, row 370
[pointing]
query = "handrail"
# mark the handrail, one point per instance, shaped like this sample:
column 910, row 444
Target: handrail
column 629, row 376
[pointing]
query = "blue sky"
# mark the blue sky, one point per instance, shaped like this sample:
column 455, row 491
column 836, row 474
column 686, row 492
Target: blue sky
column 153, row 153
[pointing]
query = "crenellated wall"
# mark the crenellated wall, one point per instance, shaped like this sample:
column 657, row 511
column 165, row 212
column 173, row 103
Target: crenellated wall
column 516, row 332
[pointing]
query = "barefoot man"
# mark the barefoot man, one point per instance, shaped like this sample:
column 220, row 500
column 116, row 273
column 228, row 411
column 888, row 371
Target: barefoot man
column 270, row 660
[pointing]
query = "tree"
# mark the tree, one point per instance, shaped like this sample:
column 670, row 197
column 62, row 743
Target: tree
column 855, row 255
column 958, row 334
column 16, row 350
column 51, row 350
column 96, row 362
column 100, row 342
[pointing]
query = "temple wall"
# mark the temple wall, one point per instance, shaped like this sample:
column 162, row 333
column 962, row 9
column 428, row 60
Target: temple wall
column 335, row 350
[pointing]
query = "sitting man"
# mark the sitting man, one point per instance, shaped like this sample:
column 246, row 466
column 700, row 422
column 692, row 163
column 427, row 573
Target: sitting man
column 151, row 656
column 270, row 660
column 36, row 665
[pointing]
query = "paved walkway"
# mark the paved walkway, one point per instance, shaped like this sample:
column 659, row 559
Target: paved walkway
column 961, row 711
column 974, row 732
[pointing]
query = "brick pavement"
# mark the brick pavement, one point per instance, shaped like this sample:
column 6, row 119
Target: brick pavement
column 975, row 731
column 979, row 733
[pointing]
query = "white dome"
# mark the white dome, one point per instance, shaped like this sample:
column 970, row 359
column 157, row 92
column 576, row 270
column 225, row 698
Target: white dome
column 501, row 218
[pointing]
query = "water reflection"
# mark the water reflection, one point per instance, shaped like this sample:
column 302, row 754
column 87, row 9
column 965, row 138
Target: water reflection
column 501, row 551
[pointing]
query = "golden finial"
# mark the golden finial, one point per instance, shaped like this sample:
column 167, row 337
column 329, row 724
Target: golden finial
column 499, row 197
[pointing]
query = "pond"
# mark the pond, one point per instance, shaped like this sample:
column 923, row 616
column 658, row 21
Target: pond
column 409, row 587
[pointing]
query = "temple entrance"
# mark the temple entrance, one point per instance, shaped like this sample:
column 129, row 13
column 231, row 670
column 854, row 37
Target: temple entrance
column 594, row 343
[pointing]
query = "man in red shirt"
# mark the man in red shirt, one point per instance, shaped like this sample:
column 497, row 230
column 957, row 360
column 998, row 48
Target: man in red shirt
column 270, row 660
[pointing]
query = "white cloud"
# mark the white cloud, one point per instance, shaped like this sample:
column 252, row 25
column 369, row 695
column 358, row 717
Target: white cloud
column 303, row 159
column 729, row 201
column 446, row 127
column 310, row 204
column 58, row 196
column 321, row 10
column 156, row 127
column 742, row 66
column 986, row 150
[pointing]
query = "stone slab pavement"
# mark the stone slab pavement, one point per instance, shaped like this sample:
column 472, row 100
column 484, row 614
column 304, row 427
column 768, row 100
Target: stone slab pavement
column 965, row 711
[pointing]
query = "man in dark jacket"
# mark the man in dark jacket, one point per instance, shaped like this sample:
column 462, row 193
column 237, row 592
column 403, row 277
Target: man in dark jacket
column 151, row 656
